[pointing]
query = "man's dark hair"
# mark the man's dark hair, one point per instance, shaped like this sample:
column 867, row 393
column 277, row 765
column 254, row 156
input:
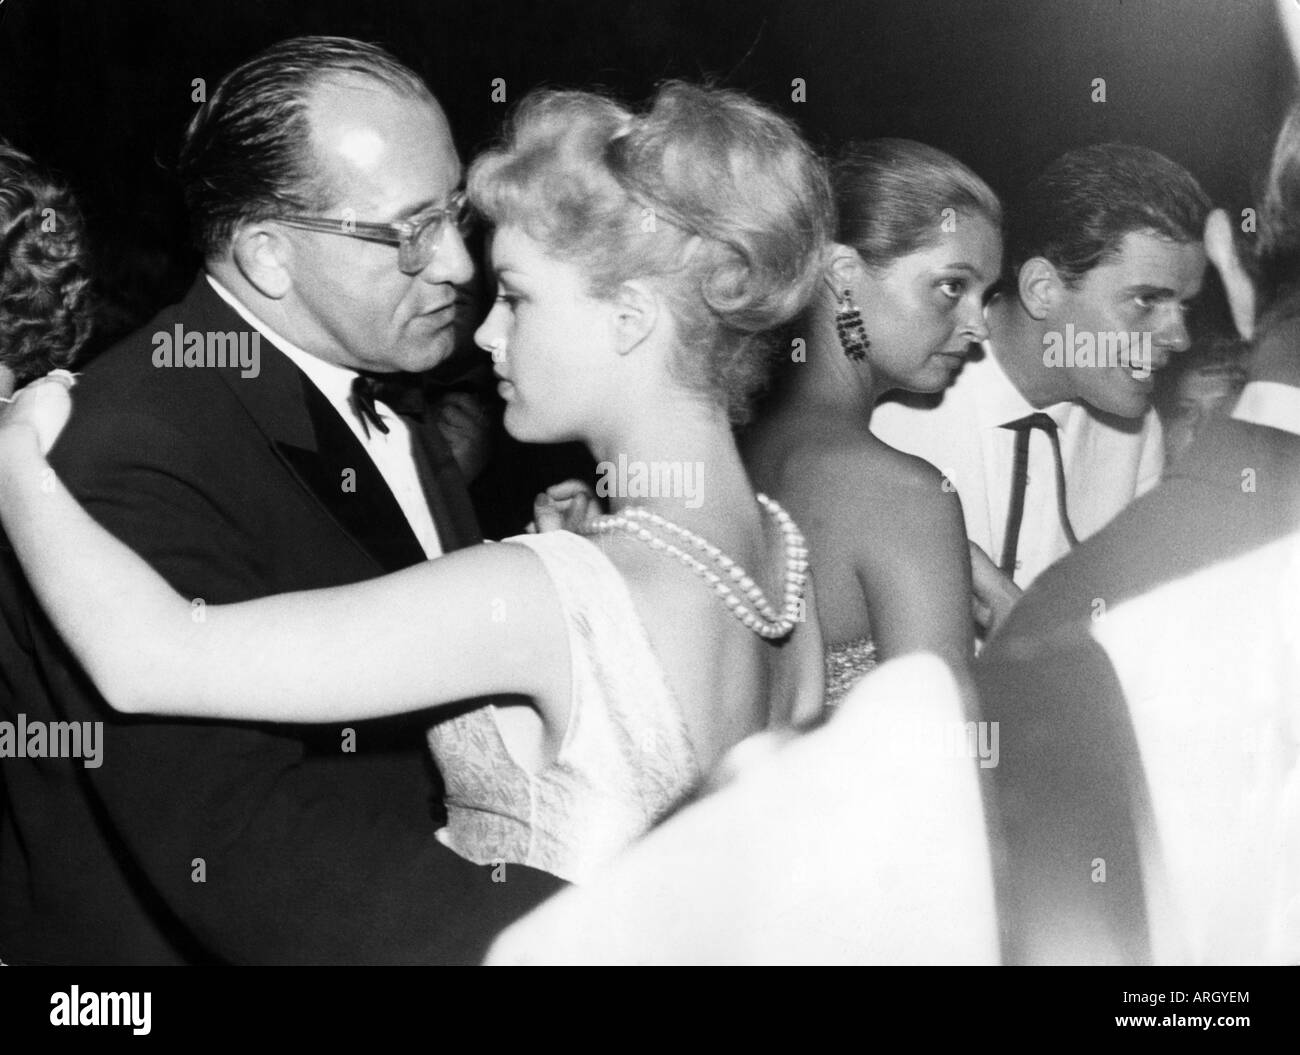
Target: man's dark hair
column 246, row 154
column 1077, row 211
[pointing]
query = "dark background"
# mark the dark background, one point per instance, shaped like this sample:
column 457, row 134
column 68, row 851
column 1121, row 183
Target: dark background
column 100, row 89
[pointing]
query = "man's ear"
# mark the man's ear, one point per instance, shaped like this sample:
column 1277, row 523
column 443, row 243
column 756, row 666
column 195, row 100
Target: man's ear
column 636, row 312
column 1040, row 286
column 262, row 254
column 1221, row 248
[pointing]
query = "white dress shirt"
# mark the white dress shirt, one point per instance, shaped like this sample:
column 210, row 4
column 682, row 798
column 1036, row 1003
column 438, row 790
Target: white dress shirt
column 391, row 451
column 1106, row 464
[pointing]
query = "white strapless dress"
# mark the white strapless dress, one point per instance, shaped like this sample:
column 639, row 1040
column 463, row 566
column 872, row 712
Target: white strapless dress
column 625, row 760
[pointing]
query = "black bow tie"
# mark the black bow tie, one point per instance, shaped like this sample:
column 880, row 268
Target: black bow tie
column 404, row 393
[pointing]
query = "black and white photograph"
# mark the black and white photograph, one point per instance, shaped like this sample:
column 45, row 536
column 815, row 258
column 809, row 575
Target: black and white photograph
column 650, row 482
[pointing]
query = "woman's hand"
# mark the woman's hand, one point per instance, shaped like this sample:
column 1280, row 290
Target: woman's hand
column 993, row 594
column 40, row 409
column 565, row 506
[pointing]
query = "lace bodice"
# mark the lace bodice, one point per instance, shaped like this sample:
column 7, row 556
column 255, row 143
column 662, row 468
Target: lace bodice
column 846, row 665
column 625, row 759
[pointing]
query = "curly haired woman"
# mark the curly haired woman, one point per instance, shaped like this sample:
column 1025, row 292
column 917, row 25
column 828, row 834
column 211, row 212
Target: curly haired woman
column 45, row 299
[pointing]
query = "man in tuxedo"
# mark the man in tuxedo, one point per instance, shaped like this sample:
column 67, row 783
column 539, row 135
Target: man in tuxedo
column 243, row 443
column 1146, row 686
column 1050, row 431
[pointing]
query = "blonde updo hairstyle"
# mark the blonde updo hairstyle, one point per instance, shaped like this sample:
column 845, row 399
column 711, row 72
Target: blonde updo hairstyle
column 625, row 196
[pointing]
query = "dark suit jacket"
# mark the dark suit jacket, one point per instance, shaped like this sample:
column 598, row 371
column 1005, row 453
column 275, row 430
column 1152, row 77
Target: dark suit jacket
column 232, row 487
column 1069, row 788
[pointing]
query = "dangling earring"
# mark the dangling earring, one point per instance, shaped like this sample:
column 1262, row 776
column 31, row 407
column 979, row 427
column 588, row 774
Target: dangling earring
column 848, row 325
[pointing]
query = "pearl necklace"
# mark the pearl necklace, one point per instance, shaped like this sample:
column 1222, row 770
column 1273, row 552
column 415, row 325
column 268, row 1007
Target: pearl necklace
column 765, row 621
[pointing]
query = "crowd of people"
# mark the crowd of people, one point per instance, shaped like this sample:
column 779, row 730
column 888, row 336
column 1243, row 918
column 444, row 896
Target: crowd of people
column 929, row 642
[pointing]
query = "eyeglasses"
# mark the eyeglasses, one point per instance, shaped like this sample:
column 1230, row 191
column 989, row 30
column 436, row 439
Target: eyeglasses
column 417, row 239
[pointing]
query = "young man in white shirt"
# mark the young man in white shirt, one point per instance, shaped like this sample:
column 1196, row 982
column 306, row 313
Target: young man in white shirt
column 1104, row 254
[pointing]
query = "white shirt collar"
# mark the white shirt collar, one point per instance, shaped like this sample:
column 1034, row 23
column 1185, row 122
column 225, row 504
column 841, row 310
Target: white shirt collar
column 334, row 381
column 1004, row 402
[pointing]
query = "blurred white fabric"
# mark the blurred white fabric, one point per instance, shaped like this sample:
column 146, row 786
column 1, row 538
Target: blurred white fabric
column 863, row 842
column 1215, row 704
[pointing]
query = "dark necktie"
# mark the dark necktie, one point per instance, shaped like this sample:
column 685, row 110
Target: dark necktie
column 1022, row 427
column 401, row 392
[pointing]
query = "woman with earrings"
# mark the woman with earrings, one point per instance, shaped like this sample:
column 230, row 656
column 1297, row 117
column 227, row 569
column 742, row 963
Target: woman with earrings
column 918, row 247
column 641, row 263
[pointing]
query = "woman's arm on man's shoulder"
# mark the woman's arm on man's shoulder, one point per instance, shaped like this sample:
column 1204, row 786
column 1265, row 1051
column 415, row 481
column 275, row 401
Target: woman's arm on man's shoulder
column 478, row 622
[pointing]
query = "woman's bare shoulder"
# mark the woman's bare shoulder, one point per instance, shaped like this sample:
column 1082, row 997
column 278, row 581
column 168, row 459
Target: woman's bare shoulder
column 919, row 497
column 875, row 506
column 859, row 470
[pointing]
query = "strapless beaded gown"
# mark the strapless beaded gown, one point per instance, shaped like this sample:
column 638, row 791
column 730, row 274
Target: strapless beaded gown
column 846, row 665
column 625, row 759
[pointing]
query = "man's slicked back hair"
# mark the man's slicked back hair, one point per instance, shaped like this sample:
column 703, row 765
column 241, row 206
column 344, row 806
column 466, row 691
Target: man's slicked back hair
column 247, row 154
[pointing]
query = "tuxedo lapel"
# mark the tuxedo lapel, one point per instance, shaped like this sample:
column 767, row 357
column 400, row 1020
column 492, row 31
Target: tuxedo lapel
column 340, row 475
column 314, row 443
